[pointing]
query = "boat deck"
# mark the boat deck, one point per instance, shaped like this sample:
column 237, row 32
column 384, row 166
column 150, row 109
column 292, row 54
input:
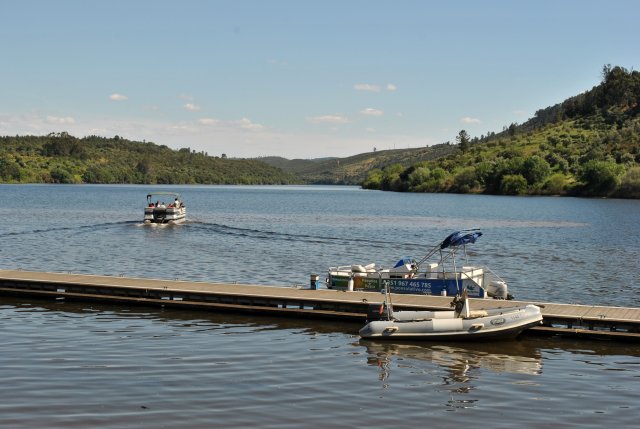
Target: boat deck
column 564, row 319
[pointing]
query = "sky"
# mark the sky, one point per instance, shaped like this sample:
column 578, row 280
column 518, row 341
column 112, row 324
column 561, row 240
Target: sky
column 300, row 78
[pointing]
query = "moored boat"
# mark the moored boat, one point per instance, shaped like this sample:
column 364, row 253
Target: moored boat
column 160, row 212
column 437, row 273
column 460, row 324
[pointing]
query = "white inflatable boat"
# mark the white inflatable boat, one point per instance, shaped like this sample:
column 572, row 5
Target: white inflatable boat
column 460, row 324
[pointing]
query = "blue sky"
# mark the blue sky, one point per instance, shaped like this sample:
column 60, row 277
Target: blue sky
column 300, row 79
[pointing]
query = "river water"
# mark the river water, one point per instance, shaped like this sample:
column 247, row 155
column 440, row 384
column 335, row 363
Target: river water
column 86, row 365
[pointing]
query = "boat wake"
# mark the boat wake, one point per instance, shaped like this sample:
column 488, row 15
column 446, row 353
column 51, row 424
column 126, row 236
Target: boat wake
column 215, row 228
column 274, row 235
column 74, row 228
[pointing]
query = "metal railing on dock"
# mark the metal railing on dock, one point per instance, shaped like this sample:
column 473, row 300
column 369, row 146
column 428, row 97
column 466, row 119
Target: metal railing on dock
column 585, row 321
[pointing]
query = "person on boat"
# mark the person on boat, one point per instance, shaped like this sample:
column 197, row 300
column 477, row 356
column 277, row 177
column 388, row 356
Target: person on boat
column 176, row 203
column 162, row 206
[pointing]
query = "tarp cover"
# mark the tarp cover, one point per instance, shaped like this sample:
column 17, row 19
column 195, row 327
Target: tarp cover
column 459, row 238
column 404, row 261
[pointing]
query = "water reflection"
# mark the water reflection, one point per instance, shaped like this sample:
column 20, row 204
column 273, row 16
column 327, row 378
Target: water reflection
column 193, row 320
column 462, row 362
column 463, row 367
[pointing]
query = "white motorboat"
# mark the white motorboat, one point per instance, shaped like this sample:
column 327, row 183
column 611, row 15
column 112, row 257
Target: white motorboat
column 437, row 273
column 164, row 208
column 460, row 324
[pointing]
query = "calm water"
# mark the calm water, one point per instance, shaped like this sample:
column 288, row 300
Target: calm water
column 84, row 365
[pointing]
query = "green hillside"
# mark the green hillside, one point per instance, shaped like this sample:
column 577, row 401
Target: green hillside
column 588, row 145
column 352, row 170
column 62, row 158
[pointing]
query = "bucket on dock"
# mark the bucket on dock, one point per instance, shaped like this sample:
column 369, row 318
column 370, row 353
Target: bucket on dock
column 314, row 281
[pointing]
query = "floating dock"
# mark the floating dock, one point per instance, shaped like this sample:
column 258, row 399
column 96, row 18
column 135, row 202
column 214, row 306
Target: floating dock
column 585, row 321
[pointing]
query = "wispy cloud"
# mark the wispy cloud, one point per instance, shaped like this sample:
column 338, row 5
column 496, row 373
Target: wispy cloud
column 246, row 124
column 370, row 111
column 469, row 120
column 118, row 97
column 67, row 120
column 237, row 138
column 208, row 121
column 370, row 87
column 191, row 107
column 328, row 119
column 366, row 87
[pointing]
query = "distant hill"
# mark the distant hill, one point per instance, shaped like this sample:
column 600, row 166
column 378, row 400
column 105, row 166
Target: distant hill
column 62, row 158
column 588, row 145
column 353, row 170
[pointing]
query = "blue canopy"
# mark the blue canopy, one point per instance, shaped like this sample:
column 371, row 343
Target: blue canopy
column 404, row 261
column 459, row 238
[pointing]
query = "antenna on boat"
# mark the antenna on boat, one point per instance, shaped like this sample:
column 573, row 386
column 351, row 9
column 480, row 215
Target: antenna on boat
column 387, row 301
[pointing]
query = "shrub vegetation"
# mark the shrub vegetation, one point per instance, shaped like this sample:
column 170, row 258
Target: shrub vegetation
column 588, row 145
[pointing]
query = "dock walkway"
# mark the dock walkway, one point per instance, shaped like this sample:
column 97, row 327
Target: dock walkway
column 589, row 321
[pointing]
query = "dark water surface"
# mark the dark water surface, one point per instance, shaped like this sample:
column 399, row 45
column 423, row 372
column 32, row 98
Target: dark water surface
column 69, row 365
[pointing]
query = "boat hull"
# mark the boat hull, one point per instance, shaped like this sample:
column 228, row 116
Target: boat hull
column 498, row 323
column 158, row 215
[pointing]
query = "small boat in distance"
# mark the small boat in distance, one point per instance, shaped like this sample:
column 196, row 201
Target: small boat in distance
column 437, row 273
column 162, row 212
column 460, row 324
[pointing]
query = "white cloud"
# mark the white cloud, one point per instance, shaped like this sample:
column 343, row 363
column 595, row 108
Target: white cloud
column 370, row 130
column 246, row 124
column 366, row 87
column 68, row 120
column 391, row 87
column 469, row 120
column 118, row 97
column 191, row 107
column 328, row 119
column 97, row 132
column 208, row 121
column 369, row 111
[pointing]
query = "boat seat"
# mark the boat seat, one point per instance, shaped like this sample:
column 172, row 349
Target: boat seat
column 340, row 273
column 474, row 314
column 431, row 267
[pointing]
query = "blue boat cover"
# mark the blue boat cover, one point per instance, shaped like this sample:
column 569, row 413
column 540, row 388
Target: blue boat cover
column 459, row 238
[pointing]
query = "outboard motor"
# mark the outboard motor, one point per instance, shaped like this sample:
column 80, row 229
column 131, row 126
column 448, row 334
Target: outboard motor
column 498, row 289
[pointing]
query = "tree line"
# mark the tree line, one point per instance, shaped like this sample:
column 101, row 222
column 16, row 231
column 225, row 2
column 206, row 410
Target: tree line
column 63, row 158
